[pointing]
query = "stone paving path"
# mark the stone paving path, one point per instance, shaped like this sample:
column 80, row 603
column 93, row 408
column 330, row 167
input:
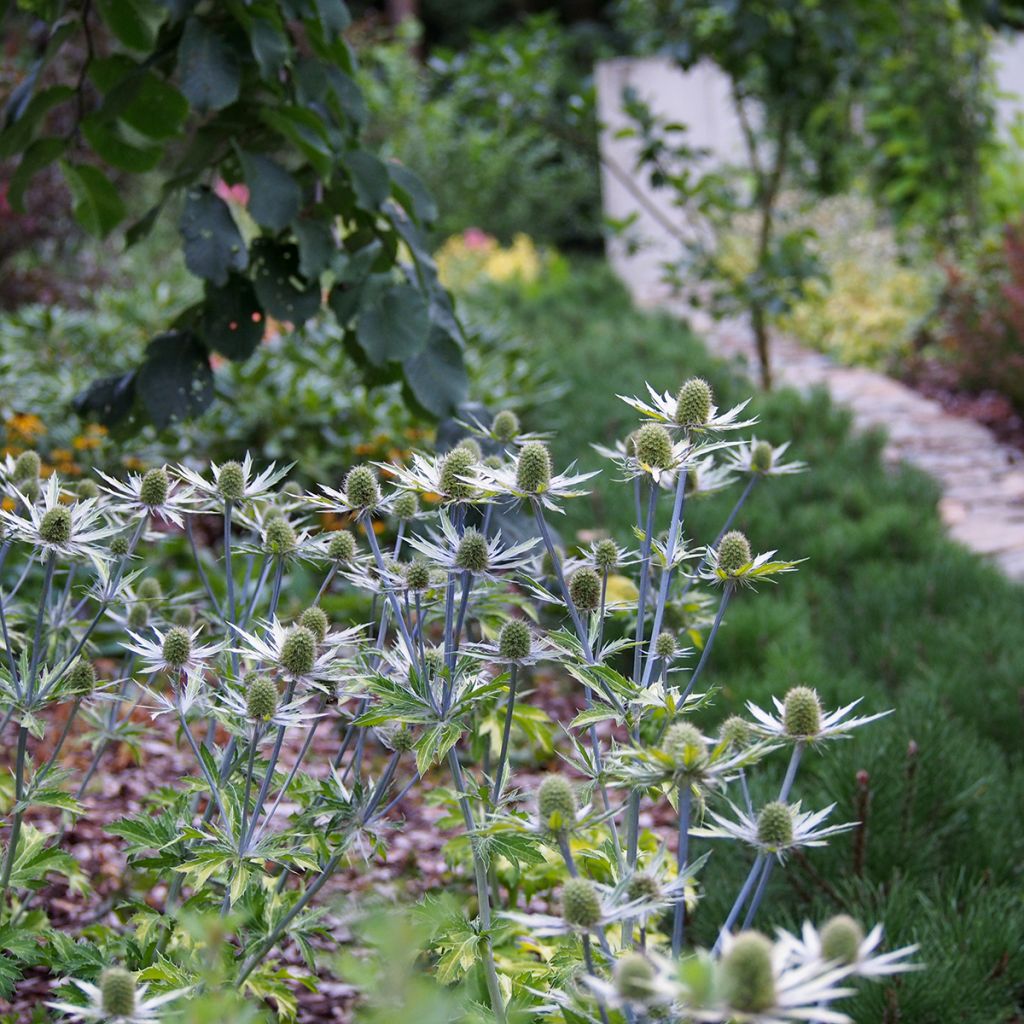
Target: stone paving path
column 982, row 480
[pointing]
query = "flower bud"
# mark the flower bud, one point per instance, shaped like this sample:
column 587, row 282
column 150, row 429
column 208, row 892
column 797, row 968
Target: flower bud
column 184, row 616
column 458, row 463
column 315, row 620
column 433, row 657
column 280, row 538
column 154, row 488
column 733, row 552
column 556, row 803
column 841, row 939
column 273, row 515
column 606, row 555
column 505, row 425
column 342, row 547
column 87, row 489
column 119, row 546
column 653, row 446
column 748, row 981
column 417, row 575
column 231, row 481
column 775, row 826
column 298, row 651
column 472, row 554
column 581, row 904
column 585, row 589
column 471, row 445
column 665, row 645
column 693, row 404
column 685, row 746
column 117, row 992
column 514, row 640
column 81, row 676
column 801, row 713
column 634, row 977
column 361, row 490
column 493, row 462
column 735, row 731
column 643, row 886
column 138, row 615
column 177, row 648
column 533, row 468
column 55, row 527
column 26, row 467
column 406, row 505
column 761, row 457
column 30, row 489
column 150, row 590
column 261, row 698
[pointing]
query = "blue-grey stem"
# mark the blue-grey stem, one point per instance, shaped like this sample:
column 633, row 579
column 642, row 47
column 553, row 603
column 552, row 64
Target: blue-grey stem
column 645, row 579
column 588, row 959
column 706, row 653
column 19, row 792
column 566, row 849
column 721, row 533
column 506, row 733
column 741, row 899
column 762, row 885
column 682, row 856
column 203, row 578
column 794, row 764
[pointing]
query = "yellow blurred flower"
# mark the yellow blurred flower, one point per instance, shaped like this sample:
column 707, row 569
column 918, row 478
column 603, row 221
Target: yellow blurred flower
column 467, row 260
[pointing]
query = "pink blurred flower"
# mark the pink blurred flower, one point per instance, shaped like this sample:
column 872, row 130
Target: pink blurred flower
column 232, row 193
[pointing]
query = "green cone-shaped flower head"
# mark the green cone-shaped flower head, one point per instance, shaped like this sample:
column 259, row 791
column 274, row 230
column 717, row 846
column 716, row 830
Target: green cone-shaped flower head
column 406, row 505
column 761, row 457
column 585, row 589
column 177, row 648
column 55, row 527
column 801, row 713
column 315, row 620
column 533, row 468
column 342, row 547
column 841, row 938
column 634, row 977
column 261, row 697
column 514, row 640
column 736, row 731
column 505, row 425
column 459, row 462
column 643, row 886
column 26, row 467
column 748, row 981
column 119, row 546
column 653, row 446
column 280, row 536
column 87, row 489
column 417, row 574
column 298, row 651
column 361, row 489
column 606, row 555
column 117, row 992
column 184, row 616
column 231, row 481
column 685, row 746
column 82, row 676
column 775, row 826
column 581, row 904
column 733, row 552
column 138, row 615
column 472, row 445
column 150, row 590
column 556, row 803
column 154, row 487
column 665, row 645
column 472, row 554
column 693, row 404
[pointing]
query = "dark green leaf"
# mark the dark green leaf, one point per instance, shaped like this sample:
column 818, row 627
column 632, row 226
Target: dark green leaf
column 394, row 326
column 232, row 319
column 269, row 46
column 280, row 286
column 413, row 193
column 141, row 99
column 436, row 377
column 208, row 69
column 316, row 246
column 369, row 178
column 97, row 204
column 108, row 400
column 40, row 154
column 18, row 131
column 213, row 243
column 334, row 15
column 175, row 381
column 274, row 195
column 110, row 145
column 127, row 20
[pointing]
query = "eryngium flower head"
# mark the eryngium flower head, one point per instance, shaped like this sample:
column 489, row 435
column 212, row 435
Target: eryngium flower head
column 150, row 590
column 606, row 555
column 261, row 698
column 585, row 589
column 417, row 574
column 26, row 467
column 55, row 526
column 801, row 713
column 533, row 467
column 733, row 552
column 736, row 731
column 361, row 490
column 643, row 886
column 119, row 545
column 280, row 537
column 298, row 651
column 406, row 505
column 775, row 825
column 154, row 487
column 693, row 405
column 138, row 615
column 231, row 481
column 87, row 489
column 472, row 555
column 634, row 977
column 841, row 939
column 748, row 981
column 684, row 745
column 556, row 803
column 665, row 645
column 581, row 903
column 315, row 620
column 471, row 445
column 177, row 646
column 505, row 425
column 118, row 989
column 653, row 446
column 81, row 676
column 514, row 641
column 761, row 457
column 458, row 463
column 342, row 547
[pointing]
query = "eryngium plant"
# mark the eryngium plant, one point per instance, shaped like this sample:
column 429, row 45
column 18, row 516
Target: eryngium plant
column 459, row 615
